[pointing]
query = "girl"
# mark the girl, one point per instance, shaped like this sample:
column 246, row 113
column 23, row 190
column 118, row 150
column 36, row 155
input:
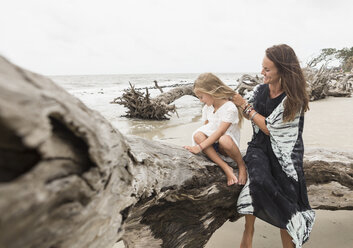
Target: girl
column 221, row 130
column 275, row 190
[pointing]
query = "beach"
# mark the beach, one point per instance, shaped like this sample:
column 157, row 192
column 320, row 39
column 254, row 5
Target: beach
column 328, row 124
column 79, row 172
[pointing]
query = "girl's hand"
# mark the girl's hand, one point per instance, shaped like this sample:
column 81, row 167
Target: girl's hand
column 238, row 100
column 193, row 149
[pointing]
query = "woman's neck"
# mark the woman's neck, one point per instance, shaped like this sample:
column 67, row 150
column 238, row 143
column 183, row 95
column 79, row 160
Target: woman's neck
column 275, row 89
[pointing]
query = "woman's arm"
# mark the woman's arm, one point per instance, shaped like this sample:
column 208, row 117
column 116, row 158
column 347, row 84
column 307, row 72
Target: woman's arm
column 258, row 119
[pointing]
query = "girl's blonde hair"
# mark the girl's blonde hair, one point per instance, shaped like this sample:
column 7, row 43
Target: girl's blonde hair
column 210, row 84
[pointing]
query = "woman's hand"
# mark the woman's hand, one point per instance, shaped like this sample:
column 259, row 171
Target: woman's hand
column 238, row 100
column 193, row 149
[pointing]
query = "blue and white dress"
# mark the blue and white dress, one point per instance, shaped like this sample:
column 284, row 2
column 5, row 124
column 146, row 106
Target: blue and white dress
column 276, row 190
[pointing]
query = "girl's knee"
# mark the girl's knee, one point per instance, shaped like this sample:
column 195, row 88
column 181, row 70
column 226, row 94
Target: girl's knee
column 199, row 137
column 226, row 142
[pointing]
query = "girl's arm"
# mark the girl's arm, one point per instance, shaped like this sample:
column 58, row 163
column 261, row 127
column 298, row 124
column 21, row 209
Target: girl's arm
column 211, row 139
column 216, row 135
column 258, row 119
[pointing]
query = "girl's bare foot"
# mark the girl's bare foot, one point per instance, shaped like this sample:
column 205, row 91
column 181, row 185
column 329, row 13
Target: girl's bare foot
column 242, row 174
column 231, row 178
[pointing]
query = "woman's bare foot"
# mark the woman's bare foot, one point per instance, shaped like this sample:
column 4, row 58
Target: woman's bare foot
column 243, row 175
column 246, row 241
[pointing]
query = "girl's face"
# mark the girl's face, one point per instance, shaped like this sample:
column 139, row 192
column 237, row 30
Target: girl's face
column 205, row 98
column 269, row 71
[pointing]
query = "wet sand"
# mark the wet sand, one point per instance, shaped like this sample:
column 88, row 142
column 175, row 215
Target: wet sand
column 328, row 124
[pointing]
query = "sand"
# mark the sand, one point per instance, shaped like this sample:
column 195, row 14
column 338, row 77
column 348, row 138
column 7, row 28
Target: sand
column 328, row 124
column 331, row 229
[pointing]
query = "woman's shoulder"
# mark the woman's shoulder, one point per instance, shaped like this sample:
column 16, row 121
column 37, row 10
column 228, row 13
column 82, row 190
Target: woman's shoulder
column 261, row 88
column 255, row 92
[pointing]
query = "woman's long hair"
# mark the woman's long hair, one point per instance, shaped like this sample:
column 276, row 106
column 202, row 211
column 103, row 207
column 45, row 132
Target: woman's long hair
column 292, row 80
column 210, row 84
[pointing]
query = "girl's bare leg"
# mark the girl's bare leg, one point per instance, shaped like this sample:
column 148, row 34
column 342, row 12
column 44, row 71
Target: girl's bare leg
column 212, row 154
column 246, row 241
column 231, row 149
column 286, row 239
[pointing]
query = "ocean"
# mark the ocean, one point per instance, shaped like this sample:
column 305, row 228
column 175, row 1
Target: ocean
column 97, row 91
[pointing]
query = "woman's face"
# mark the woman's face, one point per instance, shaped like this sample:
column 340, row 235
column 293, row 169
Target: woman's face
column 269, row 71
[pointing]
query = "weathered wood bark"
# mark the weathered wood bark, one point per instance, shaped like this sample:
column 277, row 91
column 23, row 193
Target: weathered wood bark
column 246, row 83
column 141, row 106
column 317, row 83
column 325, row 82
column 69, row 179
column 329, row 176
column 341, row 85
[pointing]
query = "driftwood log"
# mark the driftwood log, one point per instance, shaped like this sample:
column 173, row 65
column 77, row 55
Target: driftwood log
column 246, row 83
column 141, row 105
column 327, row 82
column 69, row 179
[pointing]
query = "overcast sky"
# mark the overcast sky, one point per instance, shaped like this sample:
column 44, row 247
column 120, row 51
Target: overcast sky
column 163, row 36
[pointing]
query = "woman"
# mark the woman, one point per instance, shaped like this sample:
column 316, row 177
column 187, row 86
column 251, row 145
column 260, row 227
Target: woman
column 276, row 191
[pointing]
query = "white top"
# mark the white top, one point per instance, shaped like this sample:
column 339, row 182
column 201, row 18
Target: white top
column 228, row 112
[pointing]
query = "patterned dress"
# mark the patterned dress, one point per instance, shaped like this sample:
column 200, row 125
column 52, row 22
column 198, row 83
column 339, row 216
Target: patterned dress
column 276, row 191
